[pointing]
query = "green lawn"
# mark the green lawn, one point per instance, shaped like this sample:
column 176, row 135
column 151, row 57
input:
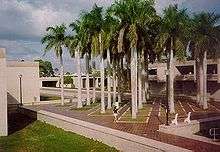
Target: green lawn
column 87, row 107
column 142, row 115
column 41, row 137
column 49, row 98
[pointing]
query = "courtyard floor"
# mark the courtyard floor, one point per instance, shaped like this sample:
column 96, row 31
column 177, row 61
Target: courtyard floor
column 149, row 118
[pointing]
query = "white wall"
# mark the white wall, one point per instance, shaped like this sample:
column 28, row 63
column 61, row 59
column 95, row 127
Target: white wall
column 30, row 81
column 3, row 95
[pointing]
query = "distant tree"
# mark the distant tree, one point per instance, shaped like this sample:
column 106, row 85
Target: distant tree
column 68, row 73
column 68, row 80
column 45, row 68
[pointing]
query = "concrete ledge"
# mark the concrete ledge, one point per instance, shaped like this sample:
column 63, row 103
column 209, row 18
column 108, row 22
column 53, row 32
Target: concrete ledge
column 121, row 140
column 189, row 130
column 193, row 127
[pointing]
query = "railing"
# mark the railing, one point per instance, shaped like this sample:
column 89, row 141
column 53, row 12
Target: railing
column 214, row 132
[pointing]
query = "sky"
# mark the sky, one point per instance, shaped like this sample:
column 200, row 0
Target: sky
column 23, row 23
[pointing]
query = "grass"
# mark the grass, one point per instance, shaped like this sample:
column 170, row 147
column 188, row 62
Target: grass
column 86, row 107
column 41, row 137
column 49, row 98
column 142, row 115
column 108, row 112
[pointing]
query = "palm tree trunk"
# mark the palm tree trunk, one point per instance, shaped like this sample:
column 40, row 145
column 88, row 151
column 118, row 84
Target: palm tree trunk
column 102, row 86
column 79, row 102
column 134, row 82
column 171, row 81
column 205, row 104
column 140, row 82
column 146, row 81
column 94, row 85
column 120, row 81
column 197, row 72
column 109, row 80
column 87, row 80
column 114, row 85
column 93, row 90
column 201, row 87
column 62, row 80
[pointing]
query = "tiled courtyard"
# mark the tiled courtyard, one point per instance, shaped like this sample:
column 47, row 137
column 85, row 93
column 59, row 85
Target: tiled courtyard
column 148, row 119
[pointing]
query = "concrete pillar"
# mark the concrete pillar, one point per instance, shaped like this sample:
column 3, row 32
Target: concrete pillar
column 3, row 95
column 218, row 70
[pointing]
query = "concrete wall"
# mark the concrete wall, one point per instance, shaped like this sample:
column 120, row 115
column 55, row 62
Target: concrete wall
column 3, row 95
column 30, row 82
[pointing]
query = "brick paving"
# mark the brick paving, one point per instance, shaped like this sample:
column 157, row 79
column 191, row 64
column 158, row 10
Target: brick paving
column 149, row 130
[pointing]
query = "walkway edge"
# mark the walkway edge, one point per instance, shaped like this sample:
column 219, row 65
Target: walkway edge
column 121, row 140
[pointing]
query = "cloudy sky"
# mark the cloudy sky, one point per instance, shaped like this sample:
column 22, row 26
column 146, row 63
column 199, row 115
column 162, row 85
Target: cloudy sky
column 23, row 22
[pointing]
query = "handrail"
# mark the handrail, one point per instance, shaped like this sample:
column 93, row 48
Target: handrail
column 212, row 132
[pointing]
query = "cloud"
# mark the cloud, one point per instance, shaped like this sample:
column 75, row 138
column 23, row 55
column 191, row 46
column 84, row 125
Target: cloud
column 23, row 22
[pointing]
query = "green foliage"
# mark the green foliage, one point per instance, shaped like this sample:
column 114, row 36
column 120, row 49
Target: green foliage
column 45, row 68
column 205, row 34
column 96, row 73
column 55, row 39
column 173, row 29
column 68, row 80
column 42, row 137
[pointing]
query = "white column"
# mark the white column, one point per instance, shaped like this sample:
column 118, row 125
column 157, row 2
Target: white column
column 3, row 95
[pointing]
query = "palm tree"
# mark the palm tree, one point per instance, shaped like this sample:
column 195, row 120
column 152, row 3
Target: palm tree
column 205, row 38
column 133, row 15
column 76, row 44
column 55, row 39
column 172, row 39
column 93, row 24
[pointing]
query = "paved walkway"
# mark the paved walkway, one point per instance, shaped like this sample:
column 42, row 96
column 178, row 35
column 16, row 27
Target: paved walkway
column 148, row 130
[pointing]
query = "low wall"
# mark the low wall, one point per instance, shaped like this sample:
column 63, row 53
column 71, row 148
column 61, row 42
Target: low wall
column 121, row 140
column 189, row 130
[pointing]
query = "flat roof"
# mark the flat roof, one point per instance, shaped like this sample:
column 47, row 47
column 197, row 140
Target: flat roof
column 22, row 64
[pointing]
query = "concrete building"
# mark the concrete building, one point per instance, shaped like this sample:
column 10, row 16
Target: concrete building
column 55, row 81
column 3, row 95
column 19, row 82
column 185, row 78
column 23, row 82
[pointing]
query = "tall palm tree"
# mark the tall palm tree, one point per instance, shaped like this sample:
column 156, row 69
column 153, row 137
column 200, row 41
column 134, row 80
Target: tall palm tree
column 133, row 15
column 93, row 23
column 76, row 44
column 109, row 27
column 55, row 39
column 206, row 40
column 172, row 39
